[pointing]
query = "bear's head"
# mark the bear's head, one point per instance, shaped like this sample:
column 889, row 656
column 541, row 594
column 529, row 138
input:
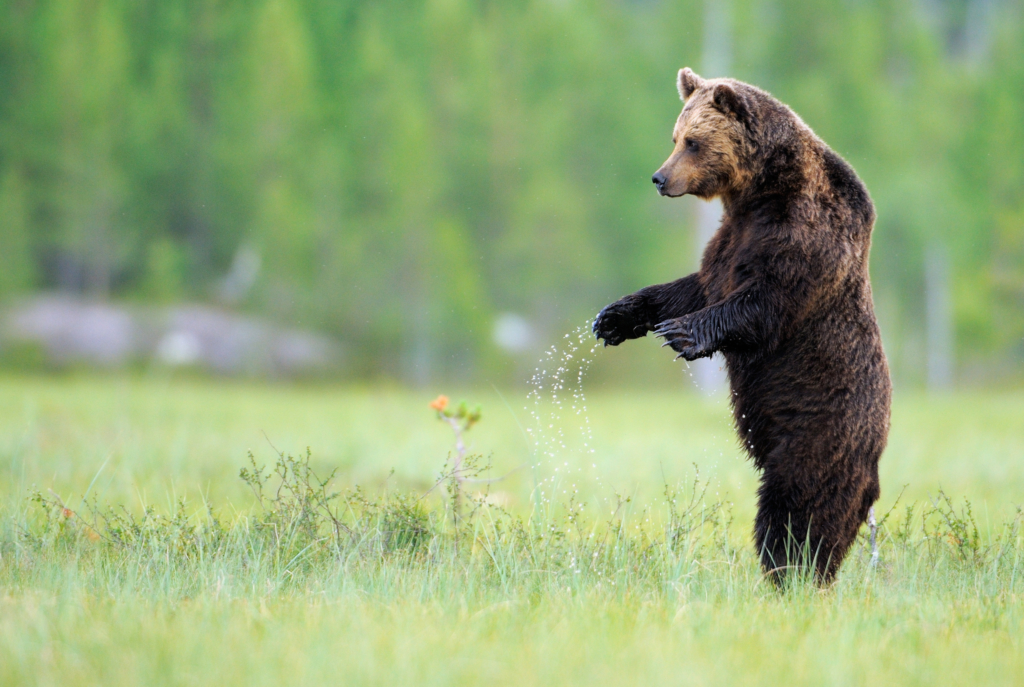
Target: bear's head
column 712, row 149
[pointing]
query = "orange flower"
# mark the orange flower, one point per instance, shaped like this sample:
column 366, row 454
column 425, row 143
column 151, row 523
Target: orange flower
column 439, row 403
column 67, row 513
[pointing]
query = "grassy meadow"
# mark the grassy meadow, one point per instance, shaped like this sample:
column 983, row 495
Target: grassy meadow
column 615, row 548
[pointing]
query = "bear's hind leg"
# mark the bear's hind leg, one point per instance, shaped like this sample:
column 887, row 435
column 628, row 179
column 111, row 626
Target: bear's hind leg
column 782, row 532
column 797, row 530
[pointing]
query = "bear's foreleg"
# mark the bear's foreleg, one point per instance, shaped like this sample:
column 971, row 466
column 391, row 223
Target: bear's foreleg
column 632, row 316
column 749, row 319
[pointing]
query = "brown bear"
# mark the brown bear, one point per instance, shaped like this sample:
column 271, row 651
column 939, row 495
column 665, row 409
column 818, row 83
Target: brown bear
column 783, row 293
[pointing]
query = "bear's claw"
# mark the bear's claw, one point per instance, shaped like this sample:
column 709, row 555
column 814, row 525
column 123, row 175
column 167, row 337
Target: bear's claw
column 679, row 334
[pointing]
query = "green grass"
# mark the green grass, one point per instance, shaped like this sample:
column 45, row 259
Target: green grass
column 519, row 594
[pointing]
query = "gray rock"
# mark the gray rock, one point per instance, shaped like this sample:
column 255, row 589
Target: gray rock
column 72, row 329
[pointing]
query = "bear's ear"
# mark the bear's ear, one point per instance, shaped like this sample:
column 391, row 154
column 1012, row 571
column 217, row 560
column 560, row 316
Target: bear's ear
column 729, row 101
column 687, row 82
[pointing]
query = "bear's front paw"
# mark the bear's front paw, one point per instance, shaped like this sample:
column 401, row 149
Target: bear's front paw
column 618, row 322
column 682, row 336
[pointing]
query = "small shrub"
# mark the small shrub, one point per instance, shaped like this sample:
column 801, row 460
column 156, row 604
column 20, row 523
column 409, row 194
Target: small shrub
column 303, row 529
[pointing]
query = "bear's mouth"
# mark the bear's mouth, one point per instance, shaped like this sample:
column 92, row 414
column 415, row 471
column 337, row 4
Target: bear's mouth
column 667, row 193
column 664, row 185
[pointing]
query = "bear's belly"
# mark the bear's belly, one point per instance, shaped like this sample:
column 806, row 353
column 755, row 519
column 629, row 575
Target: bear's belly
column 824, row 392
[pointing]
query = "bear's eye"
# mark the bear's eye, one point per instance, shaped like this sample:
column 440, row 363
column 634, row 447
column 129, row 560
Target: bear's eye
column 691, row 145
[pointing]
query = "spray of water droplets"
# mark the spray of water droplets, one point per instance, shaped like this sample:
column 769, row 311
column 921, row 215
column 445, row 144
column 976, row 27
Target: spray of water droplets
column 560, row 424
column 560, row 432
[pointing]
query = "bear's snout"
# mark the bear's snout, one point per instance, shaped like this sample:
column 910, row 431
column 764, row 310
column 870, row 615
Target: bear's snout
column 659, row 180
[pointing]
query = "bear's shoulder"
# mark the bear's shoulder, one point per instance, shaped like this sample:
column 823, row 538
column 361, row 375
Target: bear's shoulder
column 847, row 186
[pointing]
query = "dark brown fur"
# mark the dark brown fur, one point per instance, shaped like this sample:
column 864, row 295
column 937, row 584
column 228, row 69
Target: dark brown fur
column 783, row 293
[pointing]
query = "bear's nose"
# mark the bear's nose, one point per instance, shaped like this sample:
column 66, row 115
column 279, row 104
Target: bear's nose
column 659, row 180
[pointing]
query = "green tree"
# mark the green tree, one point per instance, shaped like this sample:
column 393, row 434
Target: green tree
column 17, row 264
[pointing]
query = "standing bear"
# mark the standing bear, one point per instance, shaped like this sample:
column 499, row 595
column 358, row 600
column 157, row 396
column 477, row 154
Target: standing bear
column 783, row 293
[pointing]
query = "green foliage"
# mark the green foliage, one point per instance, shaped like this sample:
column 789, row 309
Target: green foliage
column 302, row 528
column 302, row 512
column 409, row 169
column 576, row 587
column 16, row 264
column 672, row 569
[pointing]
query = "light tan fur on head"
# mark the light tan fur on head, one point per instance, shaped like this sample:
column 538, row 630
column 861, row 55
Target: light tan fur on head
column 687, row 82
column 709, row 140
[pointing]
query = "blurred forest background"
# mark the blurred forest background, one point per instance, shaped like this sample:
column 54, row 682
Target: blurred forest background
column 446, row 186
